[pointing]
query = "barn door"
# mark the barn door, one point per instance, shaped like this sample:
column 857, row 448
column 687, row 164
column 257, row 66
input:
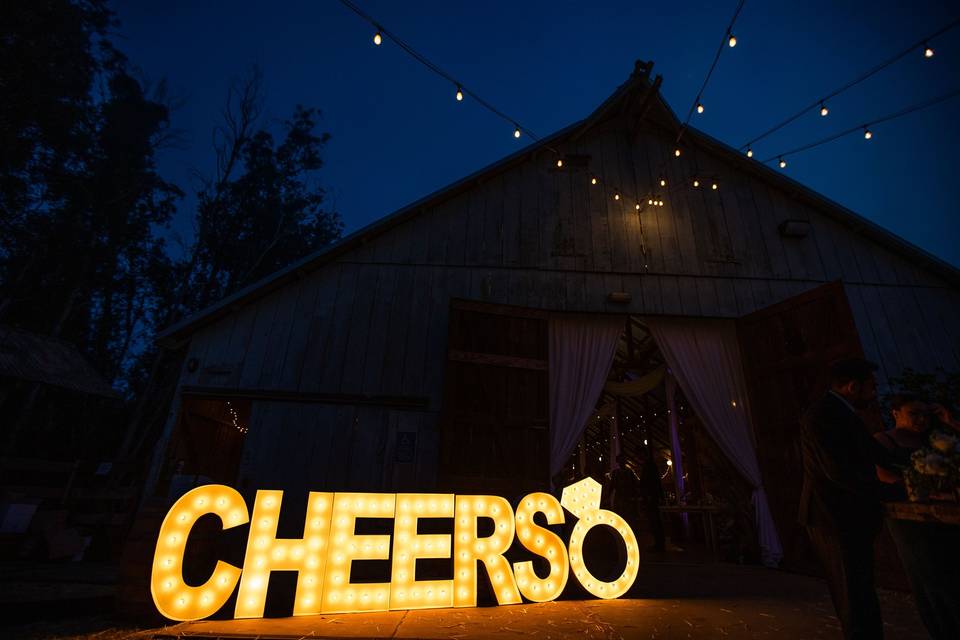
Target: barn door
column 494, row 437
column 786, row 350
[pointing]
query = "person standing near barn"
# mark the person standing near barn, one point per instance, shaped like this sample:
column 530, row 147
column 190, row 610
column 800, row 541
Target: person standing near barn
column 928, row 550
column 840, row 500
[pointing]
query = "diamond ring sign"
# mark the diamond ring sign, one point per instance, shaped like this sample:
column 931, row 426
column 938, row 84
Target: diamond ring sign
column 323, row 557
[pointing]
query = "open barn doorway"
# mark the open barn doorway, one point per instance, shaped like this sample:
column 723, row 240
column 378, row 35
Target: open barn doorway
column 687, row 502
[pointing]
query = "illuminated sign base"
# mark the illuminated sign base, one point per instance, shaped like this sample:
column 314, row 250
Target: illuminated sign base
column 322, row 558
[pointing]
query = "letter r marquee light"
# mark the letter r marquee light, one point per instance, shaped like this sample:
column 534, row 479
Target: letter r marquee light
column 323, row 557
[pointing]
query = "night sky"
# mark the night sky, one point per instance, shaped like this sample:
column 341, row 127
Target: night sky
column 398, row 133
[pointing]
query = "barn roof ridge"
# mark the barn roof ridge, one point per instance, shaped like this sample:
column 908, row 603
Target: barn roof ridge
column 638, row 81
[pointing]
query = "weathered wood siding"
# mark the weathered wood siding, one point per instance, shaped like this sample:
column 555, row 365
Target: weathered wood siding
column 375, row 320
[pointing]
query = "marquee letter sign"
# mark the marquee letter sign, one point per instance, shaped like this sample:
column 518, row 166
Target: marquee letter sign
column 323, row 557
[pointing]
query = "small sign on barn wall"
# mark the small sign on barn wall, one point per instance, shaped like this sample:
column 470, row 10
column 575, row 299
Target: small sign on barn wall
column 406, row 446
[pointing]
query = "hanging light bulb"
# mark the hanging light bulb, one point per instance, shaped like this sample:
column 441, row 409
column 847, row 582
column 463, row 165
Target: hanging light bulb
column 650, row 201
column 638, row 206
column 663, row 182
column 749, row 153
column 616, row 195
column 377, row 38
column 660, row 203
column 516, row 132
column 732, row 41
column 593, row 180
column 927, row 51
column 696, row 182
column 699, row 107
column 714, row 186
column 783, row 163
column 823, row 110
column 676, row 152
column 867, row 134
column 459, row 94
column 560, row 163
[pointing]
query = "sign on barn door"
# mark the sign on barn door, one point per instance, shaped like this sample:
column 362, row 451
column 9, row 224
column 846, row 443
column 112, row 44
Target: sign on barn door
column 494, row 425
column 786, row 350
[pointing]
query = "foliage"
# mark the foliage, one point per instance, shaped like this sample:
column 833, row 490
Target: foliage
column 81, row 196
column 940, row 386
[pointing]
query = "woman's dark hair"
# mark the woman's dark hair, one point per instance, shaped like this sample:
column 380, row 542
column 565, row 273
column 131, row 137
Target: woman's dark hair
column 898, row 400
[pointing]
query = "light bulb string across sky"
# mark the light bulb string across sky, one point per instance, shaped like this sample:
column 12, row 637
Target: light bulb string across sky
column 821, row 103
column 728, row 40
column 864, row 127
column 459, row 87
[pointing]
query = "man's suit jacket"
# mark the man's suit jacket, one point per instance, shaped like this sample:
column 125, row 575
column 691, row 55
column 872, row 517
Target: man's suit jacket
column 841, row 491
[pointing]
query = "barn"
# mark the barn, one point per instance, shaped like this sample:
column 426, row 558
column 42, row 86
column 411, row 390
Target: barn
column 592, row 294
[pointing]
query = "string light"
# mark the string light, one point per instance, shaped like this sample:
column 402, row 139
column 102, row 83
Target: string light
column 560, row 163
column 638, row 206
column 699, row 107
column 459, row 94
column 235, row 419
column 867, row 134
column 714, row 186
column 593, row 180
column 823, row 110
column 696, row 182
column 783, row 163
column 616, row 195
column 927, row 52
column 676, row 152
column 663, row 182
column 749, row 153
column 516, row 132
column 732, row 41
column 377, row 38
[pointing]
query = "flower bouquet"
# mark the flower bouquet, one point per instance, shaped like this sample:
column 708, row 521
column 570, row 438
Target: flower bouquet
column 934, row 472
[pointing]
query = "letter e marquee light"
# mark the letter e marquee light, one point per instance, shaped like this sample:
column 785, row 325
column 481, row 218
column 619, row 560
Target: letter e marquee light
column 324, row 556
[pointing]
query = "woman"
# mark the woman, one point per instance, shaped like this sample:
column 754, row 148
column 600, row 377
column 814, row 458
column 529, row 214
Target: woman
column 927, row 549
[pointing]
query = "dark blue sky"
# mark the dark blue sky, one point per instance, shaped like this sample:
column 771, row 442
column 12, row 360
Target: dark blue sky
column 398, row 133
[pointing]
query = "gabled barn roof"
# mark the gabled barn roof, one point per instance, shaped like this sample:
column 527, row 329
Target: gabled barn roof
column 639, row 95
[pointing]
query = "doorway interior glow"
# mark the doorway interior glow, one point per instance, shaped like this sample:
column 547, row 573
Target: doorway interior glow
column 323, row 557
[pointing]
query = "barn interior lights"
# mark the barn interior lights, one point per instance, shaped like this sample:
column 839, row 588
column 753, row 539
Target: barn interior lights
column 638, row 206
column 324, row 556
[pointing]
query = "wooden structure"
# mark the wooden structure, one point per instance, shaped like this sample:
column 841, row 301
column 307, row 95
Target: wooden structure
column 413, row 352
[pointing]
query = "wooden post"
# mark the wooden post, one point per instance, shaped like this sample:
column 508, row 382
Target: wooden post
column 672, row 420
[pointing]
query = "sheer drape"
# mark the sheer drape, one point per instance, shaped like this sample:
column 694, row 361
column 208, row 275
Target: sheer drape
column 704, row 356
column 581, row 352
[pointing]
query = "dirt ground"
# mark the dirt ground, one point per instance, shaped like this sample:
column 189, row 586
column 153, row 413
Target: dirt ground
column 668, row 601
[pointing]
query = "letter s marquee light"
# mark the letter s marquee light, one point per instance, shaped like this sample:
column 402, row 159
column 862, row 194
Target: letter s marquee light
column 323, row 557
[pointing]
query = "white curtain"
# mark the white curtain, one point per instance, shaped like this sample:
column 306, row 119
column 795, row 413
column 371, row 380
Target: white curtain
column 580, row 356
column 704, row 356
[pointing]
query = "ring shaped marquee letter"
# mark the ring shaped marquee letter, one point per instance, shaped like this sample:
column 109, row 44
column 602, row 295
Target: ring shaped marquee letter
column 583, row 500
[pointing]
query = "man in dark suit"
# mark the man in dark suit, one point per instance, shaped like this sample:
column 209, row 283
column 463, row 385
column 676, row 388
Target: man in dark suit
column 840, row 500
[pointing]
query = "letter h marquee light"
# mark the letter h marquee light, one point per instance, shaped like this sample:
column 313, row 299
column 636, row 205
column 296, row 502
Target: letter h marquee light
column 323, row 557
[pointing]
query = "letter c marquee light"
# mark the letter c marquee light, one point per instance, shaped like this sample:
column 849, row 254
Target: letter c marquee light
column 173, row 597
column 323, row 557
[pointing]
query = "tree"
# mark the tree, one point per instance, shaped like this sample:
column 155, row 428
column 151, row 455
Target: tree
column 81, row 196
